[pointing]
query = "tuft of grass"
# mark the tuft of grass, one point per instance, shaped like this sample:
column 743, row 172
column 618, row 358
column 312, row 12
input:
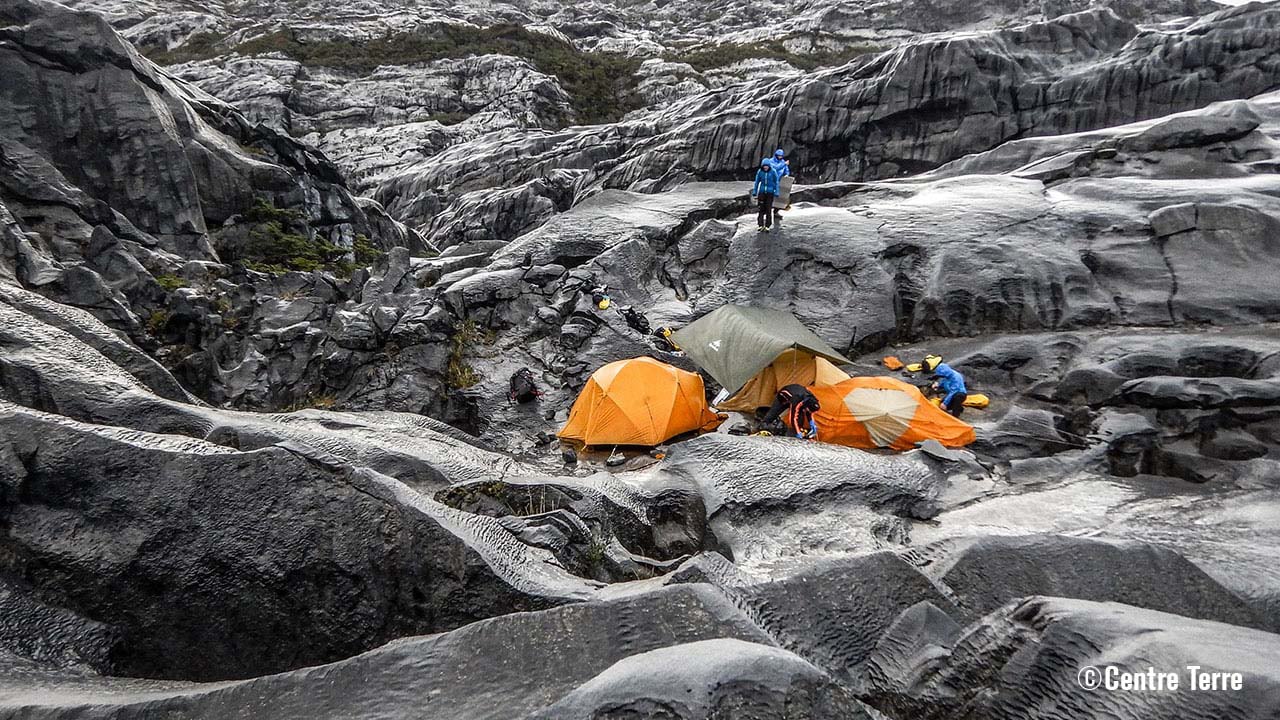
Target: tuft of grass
column 171, row 282
column 223, row 306
column 313, row 401
column 157, row 322
column 595, row 553
column 459, row 374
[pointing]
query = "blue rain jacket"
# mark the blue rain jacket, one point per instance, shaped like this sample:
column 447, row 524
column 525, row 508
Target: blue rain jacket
column 779, row 164
column 766, row 181
column 949, row 381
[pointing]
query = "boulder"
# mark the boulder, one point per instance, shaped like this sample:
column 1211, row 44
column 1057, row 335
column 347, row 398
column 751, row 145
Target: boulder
column 751, row 473
column 725, row 678
column 191, row 162
column 514, row 666
column 1045, row 649
column 266, row 561
column 980, row 574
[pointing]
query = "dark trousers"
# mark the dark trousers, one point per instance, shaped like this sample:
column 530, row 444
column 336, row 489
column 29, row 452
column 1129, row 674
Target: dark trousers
column 955, row 405
column 765, row 216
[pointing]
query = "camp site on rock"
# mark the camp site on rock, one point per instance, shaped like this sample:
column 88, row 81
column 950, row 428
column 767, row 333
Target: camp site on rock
column 705, row 360
column 756, row 353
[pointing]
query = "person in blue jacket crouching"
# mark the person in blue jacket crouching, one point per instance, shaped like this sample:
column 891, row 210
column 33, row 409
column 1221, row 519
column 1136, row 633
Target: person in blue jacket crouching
column 948, row 381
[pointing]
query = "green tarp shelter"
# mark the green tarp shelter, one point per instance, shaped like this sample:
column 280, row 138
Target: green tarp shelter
column 734, row 342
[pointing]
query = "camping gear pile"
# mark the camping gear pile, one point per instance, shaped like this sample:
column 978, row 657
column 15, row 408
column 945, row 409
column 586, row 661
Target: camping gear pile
column 972, row 400
column 752, row 353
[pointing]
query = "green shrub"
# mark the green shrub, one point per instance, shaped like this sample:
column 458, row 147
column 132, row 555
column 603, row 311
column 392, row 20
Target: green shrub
column 365, row 251
column 449, row 118
column 725, row 54
column 275, row 246
column 200, row 46
column 601, row 86
column 263, row 211
column 272, row 247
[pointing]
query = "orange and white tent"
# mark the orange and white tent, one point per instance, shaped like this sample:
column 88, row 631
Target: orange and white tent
column 638, row 402
column 884, row 412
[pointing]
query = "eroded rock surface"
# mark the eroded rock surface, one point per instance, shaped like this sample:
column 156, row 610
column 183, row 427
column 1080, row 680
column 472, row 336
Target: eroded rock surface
column 1091, row 247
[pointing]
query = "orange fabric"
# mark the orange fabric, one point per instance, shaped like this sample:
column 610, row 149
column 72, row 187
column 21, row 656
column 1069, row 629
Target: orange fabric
column 638, row 402
column 793, row 367
column 837, row 425
column 892, row 362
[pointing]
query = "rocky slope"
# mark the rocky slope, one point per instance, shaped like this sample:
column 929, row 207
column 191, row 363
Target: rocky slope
column 373, row 124
column 323, row 72
column 905, row 111
column 1091, row 243
column 638, row 28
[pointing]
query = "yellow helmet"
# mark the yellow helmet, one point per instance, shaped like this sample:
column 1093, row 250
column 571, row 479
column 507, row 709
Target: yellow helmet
column 604, row 304
column 931, row 362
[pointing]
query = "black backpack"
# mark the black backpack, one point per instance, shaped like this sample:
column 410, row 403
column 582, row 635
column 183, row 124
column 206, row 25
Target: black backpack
column 523, row 389
column 638, row 322
column 807, row 401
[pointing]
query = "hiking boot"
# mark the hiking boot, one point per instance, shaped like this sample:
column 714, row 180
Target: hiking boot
column 765, row 229
column 760, row 229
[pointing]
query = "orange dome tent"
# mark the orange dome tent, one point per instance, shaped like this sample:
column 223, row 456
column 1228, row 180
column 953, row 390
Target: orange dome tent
column 877, row 412
column 638, row 402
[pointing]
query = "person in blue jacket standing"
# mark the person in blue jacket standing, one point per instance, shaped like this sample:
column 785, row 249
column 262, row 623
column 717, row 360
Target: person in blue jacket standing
column 764, row 191
column 779, row 163
column 948, row 381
